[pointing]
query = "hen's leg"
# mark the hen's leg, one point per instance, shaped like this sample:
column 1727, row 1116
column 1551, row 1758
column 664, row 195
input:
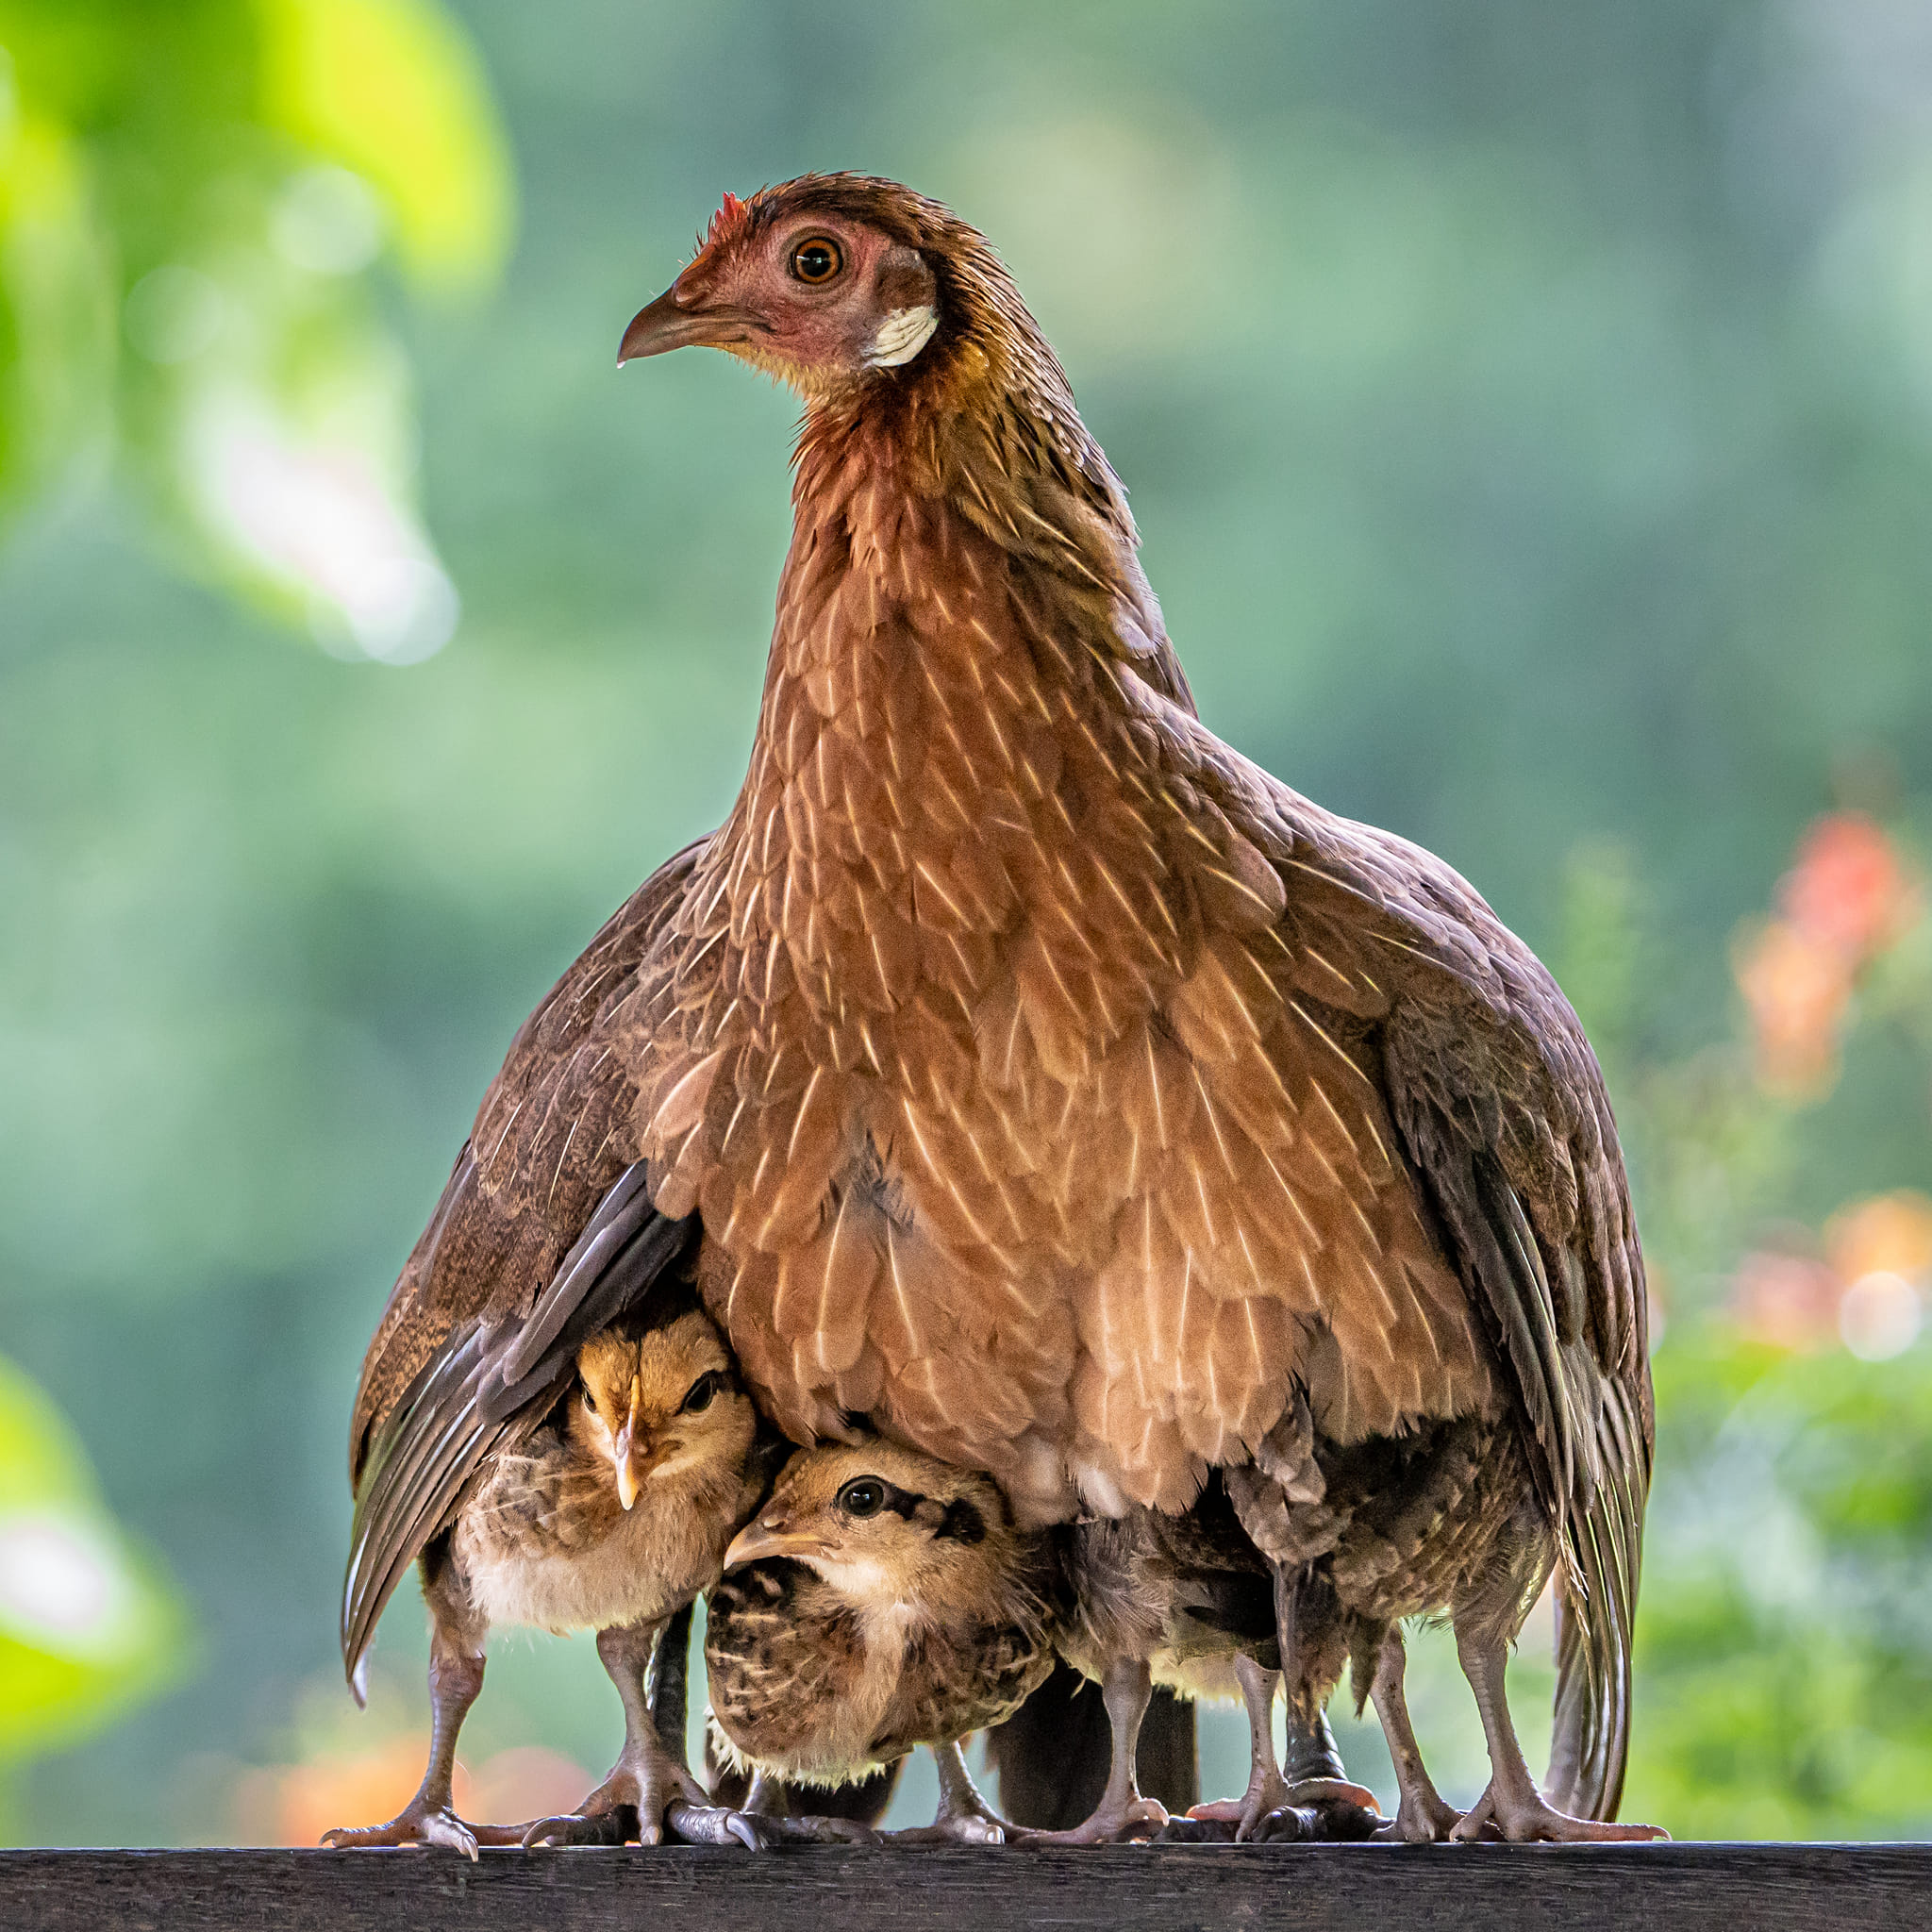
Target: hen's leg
column 1123, row 1812
column 650, row 1788
column 456, row 1635
column 1512, row 1802
column 1423, row 1816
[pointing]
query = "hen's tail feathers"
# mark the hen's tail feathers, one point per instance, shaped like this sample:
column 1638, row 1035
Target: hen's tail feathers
column 1591, row 1741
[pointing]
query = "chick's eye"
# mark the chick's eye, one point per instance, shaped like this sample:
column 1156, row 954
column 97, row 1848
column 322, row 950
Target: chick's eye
column 862, row 1498
column 817, row 260
column 699, row 1395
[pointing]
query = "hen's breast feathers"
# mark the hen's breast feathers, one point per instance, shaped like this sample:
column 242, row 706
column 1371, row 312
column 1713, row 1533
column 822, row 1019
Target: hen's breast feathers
column 1025, row 1050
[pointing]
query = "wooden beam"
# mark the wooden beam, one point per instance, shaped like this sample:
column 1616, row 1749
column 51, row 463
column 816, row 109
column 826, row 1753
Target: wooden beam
column 1699, row 1888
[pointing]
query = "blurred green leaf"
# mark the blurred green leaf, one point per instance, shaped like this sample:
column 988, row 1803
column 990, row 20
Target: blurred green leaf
column 192, row 201
column 87, row 1624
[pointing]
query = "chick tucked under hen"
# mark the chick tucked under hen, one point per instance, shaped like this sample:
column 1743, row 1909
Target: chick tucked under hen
column 1187, row 1601
column 879, row 1601
column 610, row 1511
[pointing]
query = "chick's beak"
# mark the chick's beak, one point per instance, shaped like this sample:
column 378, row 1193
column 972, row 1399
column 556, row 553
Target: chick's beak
column 634, row 1456
column 771, row 1535
column 680, row 318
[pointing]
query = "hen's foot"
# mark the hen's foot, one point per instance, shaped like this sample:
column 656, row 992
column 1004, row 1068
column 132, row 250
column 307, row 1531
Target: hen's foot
column 1324, row 1807
column 964, row 1819
column 1114, row 1824
column 1531, row 1820
column 1423, row 1818
column 418, row 1824
column 810, row 1829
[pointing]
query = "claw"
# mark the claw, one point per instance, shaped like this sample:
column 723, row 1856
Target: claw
column 1532, row 1819
column 422, row 1825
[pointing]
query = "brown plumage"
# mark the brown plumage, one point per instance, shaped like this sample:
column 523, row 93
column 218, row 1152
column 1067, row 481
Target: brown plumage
column 1187, row 1601
column 611, row 1512
column 1053, row 1087
column 879, row 1601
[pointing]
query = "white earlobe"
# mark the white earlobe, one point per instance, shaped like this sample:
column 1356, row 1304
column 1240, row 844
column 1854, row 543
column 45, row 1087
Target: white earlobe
column 901, row 337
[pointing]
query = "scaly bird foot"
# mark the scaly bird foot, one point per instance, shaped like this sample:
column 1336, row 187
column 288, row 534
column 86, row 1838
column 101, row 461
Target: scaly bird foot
column 1274, row 1809
column 641, row 1800
column 966, row 1820
column 1112, row 1825
column 1421, row 1819
column 1531, row 1820
column 418, row 1824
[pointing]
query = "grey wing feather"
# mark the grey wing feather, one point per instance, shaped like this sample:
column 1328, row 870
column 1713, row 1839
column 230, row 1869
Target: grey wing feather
column 486, row 1386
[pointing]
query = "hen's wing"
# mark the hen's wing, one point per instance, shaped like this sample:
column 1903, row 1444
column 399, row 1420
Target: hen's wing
column 545, row 1233
column 488, row 1383
column 1503, row 1116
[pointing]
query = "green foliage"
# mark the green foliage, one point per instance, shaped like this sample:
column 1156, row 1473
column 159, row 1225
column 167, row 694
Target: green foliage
column 87, row 1623
column 1526, row 412
column 192, row 197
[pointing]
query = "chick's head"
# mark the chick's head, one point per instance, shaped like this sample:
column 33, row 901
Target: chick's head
column 888, row 1527
column 661, row 1406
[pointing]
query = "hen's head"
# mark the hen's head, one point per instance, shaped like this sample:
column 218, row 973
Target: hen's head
column 833, row 282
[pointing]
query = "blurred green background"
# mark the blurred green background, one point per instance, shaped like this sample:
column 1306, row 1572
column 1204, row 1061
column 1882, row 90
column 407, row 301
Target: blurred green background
column 1528, row 412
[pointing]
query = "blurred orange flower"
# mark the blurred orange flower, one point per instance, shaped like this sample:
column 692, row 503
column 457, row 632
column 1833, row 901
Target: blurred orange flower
column 295, row 1804
column 1868, row 1293
column 1889, row 1234
column 1797, row 992
column 1848, row 887
column 1848, row 895
column 1790, row 1301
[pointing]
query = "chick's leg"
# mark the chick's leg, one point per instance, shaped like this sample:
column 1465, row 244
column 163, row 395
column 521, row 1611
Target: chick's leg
column 1122, row 1813
column 964, row 1818
column 1423, row 1816
column 456, row 1677
column 1272, row 1807
column 650, row 1788
column 1512, row 1803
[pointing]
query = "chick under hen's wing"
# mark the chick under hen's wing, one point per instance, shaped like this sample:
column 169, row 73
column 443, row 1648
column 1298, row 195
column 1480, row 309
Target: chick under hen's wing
column 486, row 1384
column 518, row 1262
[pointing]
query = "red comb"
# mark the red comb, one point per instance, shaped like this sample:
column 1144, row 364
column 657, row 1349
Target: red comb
column 731, row 216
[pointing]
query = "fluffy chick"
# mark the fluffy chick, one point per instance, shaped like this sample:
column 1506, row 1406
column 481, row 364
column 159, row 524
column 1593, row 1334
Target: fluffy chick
column 612, row 1515
column 1186, row 1600
column 881, row 1600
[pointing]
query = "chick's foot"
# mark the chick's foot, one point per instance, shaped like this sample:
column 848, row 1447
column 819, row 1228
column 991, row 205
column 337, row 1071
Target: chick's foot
column 964, row 1817
column 647, row 1793
column 418, row 1824
column 1272, row 1810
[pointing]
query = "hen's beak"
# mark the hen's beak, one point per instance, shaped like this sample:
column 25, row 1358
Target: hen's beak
column 771, row 1536
column 680, row 318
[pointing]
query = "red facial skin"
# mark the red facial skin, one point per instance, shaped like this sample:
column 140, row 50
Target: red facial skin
column 743, row 293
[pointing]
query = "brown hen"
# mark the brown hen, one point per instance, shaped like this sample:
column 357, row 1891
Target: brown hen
column 1056, row 1090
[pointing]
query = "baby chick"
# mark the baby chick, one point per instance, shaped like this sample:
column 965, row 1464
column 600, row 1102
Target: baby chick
column 1188, row 1601
column 880, row 1600
column 612, row 1514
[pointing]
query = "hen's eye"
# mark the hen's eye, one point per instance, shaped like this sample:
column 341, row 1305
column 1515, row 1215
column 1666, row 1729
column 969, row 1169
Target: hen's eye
column 590, row 1403
column 698, row 1397
column 817, row 260
column 864, row 1497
